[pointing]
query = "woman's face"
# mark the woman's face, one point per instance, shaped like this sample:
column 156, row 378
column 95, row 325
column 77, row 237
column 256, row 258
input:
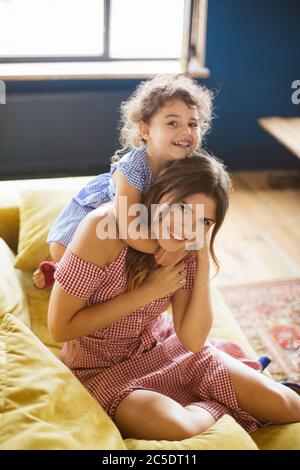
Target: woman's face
column 186, row 222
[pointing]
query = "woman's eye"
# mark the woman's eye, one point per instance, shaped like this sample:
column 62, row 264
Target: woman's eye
column 205, row 222
column 183, row 208
column 194, row 124
column 172, row 123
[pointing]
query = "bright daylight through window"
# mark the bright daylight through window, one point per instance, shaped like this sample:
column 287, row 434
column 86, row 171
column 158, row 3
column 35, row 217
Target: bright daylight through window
column 138, row 29
column 45, row 28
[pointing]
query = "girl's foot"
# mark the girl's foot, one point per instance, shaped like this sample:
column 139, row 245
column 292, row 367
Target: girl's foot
column 43, row 277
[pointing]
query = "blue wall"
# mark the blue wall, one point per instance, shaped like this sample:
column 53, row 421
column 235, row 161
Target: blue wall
column 253, row 52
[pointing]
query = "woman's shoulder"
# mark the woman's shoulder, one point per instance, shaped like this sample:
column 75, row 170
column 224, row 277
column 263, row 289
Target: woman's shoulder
column 96, row 238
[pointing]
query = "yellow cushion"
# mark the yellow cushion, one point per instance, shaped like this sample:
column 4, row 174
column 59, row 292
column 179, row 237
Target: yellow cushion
column 12, row 290
column 9, row 219
column 279, row 437
column 38, row 300
column 225, row 326
column 39, row 207
column 225, row 434
column 42, row 404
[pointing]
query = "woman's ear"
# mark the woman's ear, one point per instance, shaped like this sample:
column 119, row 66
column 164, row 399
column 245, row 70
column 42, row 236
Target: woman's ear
column 144, row 130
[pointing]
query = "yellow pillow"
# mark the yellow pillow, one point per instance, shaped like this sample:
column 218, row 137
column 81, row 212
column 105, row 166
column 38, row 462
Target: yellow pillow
column 38, row 300
column 279, row 437
column 42, row 404
column 225, row 434
column 9, row 214
column 225, row 325
column 39, row 207
column 12, row 290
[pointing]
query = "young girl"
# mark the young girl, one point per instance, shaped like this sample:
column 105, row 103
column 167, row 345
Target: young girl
column 164, row 120
column 159, row 376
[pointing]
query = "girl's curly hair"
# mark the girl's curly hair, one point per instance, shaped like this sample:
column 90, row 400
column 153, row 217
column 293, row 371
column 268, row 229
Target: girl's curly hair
column 151, row 95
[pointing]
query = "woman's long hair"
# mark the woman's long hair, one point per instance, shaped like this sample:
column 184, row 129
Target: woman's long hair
column 201, row 173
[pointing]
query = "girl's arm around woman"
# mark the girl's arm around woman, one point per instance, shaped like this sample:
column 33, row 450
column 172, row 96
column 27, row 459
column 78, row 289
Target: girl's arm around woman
column 70, row 317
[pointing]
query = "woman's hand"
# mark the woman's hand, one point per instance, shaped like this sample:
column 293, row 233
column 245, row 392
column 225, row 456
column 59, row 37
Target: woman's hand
column 203, row 257
column 202, row 254
column 164, row 280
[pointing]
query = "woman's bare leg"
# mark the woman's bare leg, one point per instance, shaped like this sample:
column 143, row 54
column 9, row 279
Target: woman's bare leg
column 145, row 414
column 261, row 396
column 56, row 250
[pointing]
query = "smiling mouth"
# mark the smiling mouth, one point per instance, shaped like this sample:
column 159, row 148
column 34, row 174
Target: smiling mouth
column 179, row 239
column 176, row 238
column 182, row 144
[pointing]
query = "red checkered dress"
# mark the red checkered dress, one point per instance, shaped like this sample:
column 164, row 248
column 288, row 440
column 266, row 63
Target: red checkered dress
column 142, row 351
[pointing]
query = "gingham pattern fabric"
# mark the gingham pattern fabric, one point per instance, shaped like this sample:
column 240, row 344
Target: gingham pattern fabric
column 101, row 189
column 142, row 351
column 135, row 167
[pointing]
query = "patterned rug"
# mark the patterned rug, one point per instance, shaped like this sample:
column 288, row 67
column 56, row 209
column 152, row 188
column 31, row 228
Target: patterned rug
column 269, row 315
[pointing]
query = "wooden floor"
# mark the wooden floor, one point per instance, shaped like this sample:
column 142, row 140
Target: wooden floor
column 260, row 238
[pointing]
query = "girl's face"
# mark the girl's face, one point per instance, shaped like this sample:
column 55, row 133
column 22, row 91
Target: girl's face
column 173, row 133
column 173, row 236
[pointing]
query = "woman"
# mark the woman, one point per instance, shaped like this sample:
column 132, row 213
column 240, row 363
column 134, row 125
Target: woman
column 158, row 377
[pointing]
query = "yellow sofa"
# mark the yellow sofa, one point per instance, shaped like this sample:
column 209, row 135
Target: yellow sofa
column 42, row 405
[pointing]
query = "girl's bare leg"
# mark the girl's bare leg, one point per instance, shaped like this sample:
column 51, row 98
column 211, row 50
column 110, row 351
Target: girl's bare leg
column 56, row 250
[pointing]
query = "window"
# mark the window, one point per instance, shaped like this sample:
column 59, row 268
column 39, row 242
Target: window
column 103, row 31
column 46, row 29
column 132, row 21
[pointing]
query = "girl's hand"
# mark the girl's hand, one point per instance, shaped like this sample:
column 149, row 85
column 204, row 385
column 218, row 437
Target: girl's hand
column 164, row 280
column 165, row 258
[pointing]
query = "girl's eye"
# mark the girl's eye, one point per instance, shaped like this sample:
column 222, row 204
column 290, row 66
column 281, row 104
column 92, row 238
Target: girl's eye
column 194, row 124
column 172, row 123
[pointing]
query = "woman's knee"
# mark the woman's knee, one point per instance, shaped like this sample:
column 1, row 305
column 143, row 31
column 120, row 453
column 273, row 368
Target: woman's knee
column 57, row 250
column 150, row 415
column 199, row 420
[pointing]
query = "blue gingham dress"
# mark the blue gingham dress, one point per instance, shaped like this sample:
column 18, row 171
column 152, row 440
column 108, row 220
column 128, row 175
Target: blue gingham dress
column 100, row 190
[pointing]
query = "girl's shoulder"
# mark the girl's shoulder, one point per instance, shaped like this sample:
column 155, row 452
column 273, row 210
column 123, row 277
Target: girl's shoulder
column 135, row 167
column 136, row 158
